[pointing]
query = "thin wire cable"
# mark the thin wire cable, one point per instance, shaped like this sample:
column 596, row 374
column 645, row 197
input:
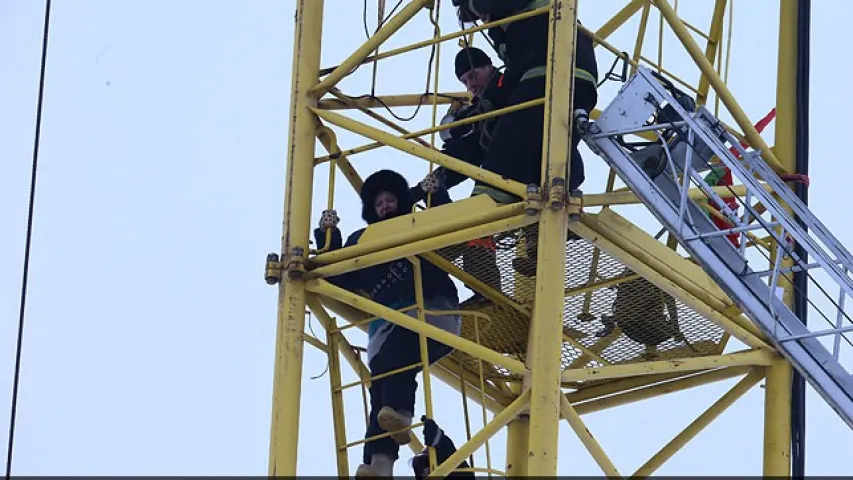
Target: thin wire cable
column 30, row 210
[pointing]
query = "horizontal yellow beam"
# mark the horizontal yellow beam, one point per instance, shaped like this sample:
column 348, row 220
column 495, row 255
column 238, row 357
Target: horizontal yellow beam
column 379, row 118
column 426, row 224
column 390, row 101
column 322, row 287
column 421, row 246
column 626, row 197
column 753, row 357
column 659, row 389
column 444, row 38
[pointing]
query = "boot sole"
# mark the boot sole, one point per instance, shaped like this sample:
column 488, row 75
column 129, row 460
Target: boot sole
column 392, row 422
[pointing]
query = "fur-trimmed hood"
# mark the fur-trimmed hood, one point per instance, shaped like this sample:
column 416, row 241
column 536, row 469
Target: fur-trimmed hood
column 388, row 181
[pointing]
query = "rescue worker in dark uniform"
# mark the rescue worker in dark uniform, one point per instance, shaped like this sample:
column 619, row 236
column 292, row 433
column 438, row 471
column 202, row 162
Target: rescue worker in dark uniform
column 515, row 151
column 469, row 143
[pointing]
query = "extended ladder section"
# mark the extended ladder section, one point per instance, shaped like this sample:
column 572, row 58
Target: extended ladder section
column 665, row 175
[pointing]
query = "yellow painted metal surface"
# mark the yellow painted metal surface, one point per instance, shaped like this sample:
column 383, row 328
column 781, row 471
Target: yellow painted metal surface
column 533, row 350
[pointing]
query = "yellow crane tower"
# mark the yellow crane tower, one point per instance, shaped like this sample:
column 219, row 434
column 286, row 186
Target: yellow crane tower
column 530, row 353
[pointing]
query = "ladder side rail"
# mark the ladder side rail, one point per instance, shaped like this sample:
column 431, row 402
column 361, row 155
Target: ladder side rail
column 809, row 356
column 799, row 208
column 753, row 159
column 782, row 215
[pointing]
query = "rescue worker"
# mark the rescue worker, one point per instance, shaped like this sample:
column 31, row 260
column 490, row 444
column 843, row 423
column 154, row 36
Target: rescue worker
column 469, row 143
column 444, row 448
column 516, row 148
column 515, row 151
column 385, row 195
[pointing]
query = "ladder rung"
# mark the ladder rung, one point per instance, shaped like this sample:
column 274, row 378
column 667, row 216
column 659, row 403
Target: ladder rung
column 822, row 333
column 379, row 377
column 645, row 128
column 720, row 233
column 796, row 268
column 381, row 435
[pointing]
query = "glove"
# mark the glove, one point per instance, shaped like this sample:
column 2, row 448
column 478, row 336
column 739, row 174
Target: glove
column 320, row 238
column 431, row 183
column 432, row 433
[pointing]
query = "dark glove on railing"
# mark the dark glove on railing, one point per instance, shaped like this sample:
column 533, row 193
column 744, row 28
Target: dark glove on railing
column 432, row 433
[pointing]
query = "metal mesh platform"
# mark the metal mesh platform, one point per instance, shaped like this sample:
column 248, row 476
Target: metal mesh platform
column 610, row 315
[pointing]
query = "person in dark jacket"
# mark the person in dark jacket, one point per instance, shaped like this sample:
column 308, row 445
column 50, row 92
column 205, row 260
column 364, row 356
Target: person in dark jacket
column 469, row 143
column 385, row 195
column 516, row 149
column 444, row 448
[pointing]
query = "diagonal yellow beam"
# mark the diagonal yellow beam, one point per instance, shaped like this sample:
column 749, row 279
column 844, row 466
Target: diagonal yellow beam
column 682, row 272
column 726, row 96
column 491, row 399
column 425, row 153
column 700, row 423
column 620, row 18
column 339, row 424
column 716, row 34
column 379, row 118
column 574, row 420
column 498, row 422
column 330, row 143
column 669, row 286
column 356, row 58
column 449, row 36
column 322, row 287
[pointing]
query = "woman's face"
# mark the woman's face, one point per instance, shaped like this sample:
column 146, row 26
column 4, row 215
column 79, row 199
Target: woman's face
column 385, row 204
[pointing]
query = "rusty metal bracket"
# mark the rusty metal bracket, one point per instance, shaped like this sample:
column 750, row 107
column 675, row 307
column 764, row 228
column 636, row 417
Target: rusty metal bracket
column 557, row 193
column 534, row 202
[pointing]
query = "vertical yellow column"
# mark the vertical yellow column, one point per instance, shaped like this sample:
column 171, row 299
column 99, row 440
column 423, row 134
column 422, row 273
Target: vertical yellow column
column 287, row 386
column 546, row 325
column 777, row 408
column 517, row 444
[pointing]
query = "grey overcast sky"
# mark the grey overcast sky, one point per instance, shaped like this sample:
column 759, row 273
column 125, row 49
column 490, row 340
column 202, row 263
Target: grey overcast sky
column 150, row 333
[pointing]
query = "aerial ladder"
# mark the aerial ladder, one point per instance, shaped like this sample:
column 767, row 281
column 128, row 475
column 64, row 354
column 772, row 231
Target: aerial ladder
column 691, row 140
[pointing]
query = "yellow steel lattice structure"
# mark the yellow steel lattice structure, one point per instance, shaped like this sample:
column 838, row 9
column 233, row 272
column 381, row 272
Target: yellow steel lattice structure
column 536, row 351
